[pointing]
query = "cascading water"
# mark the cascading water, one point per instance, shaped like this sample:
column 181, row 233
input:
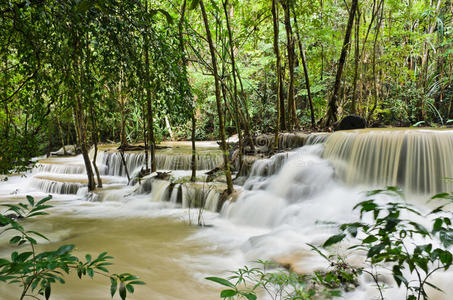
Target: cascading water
column 288, row 200
column 419, row 161
column 170, row 161
column 293, row 197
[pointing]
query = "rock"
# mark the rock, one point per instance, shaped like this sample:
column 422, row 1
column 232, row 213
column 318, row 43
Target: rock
column 212, row 174
column 163, row 175
column 351, row 122
column 70, row 151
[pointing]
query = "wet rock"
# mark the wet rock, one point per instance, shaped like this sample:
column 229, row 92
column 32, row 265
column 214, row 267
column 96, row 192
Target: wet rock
column 163, row 175
column 212, row 174
column 351, row 122
column 68, row 150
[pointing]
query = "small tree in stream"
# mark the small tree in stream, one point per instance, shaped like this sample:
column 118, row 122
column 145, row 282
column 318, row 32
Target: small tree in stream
column 36, row 272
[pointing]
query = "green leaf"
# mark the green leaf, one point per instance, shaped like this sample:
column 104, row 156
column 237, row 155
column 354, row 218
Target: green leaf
column 446, row 237
column 90, row 272
column 228, row 293
column 375, row 250
column 30, row 200
column 47, row 292
column 113, row 286
column 434, row 287
column 38, row 234
column 137, row 282
column 249, row 296
column 333, row 240
column 122, row 291
column 370, row 239
column 130, row 288
column 437, row 225
column 440, row 196
column 44, row 200
column 65, row 249
column 221, row 281
column 4, row 262
column 15, row 240
column 446, row 258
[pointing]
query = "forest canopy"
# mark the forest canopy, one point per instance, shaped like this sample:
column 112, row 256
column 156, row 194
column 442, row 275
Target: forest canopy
column 82, row 72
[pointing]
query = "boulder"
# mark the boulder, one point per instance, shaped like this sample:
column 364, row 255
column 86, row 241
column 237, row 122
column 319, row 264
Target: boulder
column 351, row 122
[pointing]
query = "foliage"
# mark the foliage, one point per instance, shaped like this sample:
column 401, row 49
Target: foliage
column 387, row 233
column 36, row 272
column 399, row 67
column 247, row 283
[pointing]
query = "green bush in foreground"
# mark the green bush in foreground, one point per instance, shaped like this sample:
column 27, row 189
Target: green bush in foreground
column 35, row 272
column 386, row 233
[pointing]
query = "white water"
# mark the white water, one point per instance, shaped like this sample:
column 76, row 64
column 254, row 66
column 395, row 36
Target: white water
column 290, row 200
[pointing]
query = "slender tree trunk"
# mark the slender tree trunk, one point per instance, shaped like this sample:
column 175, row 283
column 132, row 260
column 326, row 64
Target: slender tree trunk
column 304, row 64
column 193, row 161
column 235, row 89
column 356, row 62
column 125, row 166
column 149, row 102
column 218, row 99
column 60, row 129
column 280, row 116
column 322, row 46
column 375, row 89
column 122, row 102
column 236, row 119
column 80, row 120
column 332, row 108
column 79, row 117
column 95, row 142
column 145, row 139
column 294, row 123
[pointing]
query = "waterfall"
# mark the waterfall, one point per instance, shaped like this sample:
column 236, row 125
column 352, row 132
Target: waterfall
column 58, row 168
column 164, row 161
column 189, row 194
column 200, row 195
column 56, row 187
column 297, row 176
column 417, row 160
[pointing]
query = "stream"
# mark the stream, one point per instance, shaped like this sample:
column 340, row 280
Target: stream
column 287, row 201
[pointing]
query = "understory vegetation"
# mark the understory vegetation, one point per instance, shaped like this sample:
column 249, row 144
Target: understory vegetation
column 388, row 234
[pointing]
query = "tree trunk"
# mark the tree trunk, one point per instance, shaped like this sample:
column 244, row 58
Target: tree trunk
column 375, row 89
column 356, row 62
column 79, row 117
column 149, row 102
column 280, row 116
column 304, row 64
column 80, row 120
column 218, row 99
column 95, row 142
column 331, row 115
column 235, row 90
column 122, row 102
column 193, row 161
column 293, row 123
